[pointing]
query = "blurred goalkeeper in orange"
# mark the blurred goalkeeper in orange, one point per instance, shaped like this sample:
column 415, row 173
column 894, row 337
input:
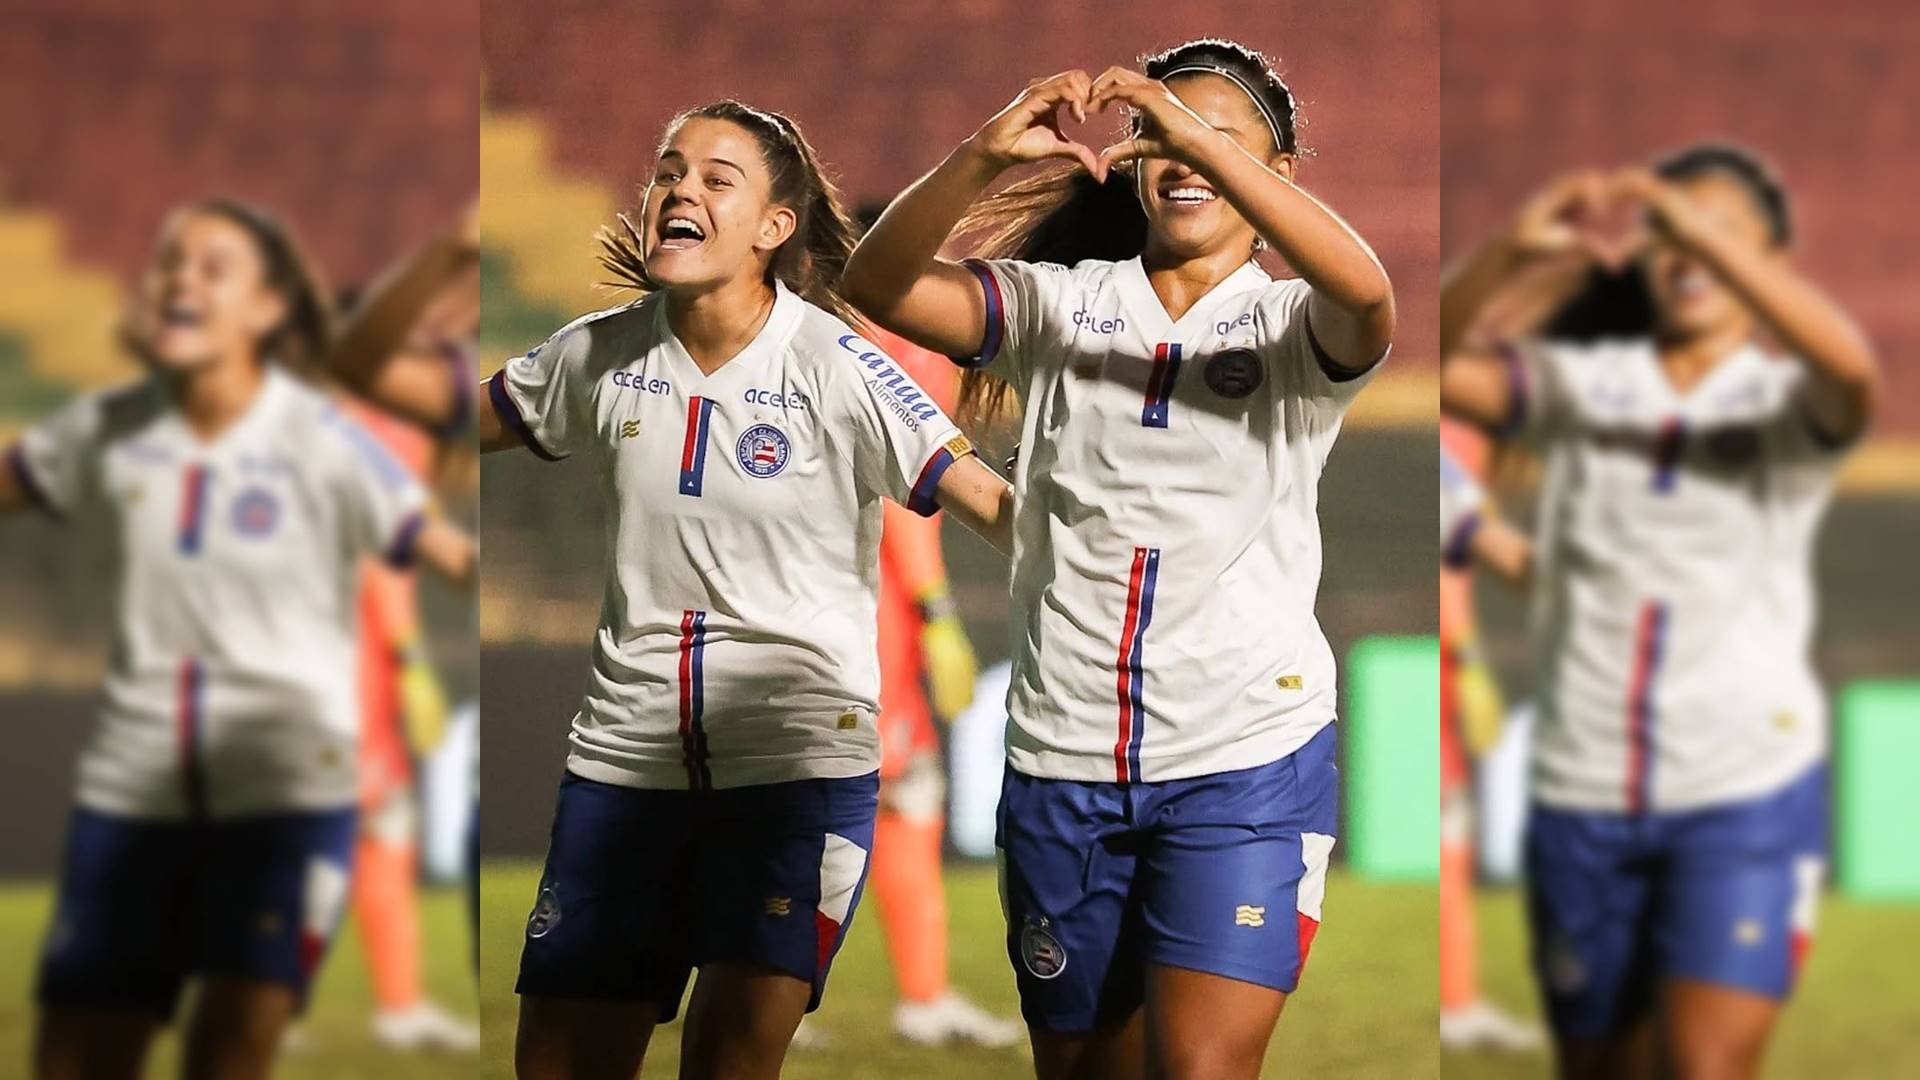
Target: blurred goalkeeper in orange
column 1471, row 713
column 927, row 668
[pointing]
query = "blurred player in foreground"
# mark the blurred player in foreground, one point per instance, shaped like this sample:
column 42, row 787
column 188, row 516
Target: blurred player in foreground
column 1169, row 805
column 1470, row 718
column 216, row 807
column 1677, row 841
column 720, row 797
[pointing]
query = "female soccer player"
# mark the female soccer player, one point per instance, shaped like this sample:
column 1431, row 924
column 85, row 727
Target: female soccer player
column 216, row 803
column 720, row 796
column 1169, row 805
column 1677, row 838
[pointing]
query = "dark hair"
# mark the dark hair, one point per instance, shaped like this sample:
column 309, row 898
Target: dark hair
column 300, row 340
column 1620, row 304
column 1063, row 215
column 812, row 259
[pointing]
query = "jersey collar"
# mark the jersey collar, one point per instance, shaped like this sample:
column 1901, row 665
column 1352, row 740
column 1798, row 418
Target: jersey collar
column 787, row 310
column 1130, row 279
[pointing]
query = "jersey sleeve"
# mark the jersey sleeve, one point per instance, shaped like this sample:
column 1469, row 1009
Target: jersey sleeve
column 1299, row 366
column 1539, row 385
column 899, row 441
column 382, row 506
column 54, row 460
column 1792, row 435
column 1020, row 301
column 1461, row 500
column 543, row 396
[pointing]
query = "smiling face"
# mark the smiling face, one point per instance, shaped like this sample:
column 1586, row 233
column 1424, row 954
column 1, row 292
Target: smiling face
column 1186, row 217
column 205, row 296
column 709, row 211
column 1689, row 300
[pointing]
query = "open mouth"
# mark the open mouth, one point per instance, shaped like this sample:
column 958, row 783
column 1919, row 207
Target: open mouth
column 680, row 234
column 1691, row 283
column 1188, row 196
column 180, row 317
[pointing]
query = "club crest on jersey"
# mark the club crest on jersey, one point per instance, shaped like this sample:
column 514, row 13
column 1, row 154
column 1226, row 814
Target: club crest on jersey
column 255, row 512
column 1040, row 951
column 763, row 450
column 1234, row 373
column 546, row 913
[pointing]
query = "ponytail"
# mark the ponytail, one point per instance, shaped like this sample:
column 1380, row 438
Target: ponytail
column 810, row 261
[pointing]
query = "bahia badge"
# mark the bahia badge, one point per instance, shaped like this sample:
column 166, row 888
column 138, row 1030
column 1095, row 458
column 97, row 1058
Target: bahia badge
column 1234, row 373
column 762, row 450
column 546, row 913
column 1043, row 954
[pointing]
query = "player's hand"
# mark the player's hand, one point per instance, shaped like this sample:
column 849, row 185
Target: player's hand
column 1029, row 128
column 952, row 669
column 423, row 701
column 1482, row 709
column 1572, row 217
column 1166, row 127
column 1670, row 214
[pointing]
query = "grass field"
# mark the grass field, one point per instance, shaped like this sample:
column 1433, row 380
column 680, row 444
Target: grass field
column 1855, row 1014
column 1367, row 1008
column 336, row 1027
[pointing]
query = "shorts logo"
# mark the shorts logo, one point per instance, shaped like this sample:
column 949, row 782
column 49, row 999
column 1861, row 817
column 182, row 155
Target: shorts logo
column 779, row 905
column 1748, row 932
column 1234, row 373
column 255, row 513
column 1565, row 973
column 1248, row 915
column 762, row 450
column 546, row 913
column 1040, row 951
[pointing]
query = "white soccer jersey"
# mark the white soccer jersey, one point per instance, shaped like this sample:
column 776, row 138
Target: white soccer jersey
column 1675, row 606
column 1167, row 547
column 736, row 642
column 231, row 688
column 1461, row 500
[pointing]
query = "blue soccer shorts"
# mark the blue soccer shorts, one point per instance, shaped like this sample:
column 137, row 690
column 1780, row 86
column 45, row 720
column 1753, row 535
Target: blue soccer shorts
column 642, row 886
column 1222, row 874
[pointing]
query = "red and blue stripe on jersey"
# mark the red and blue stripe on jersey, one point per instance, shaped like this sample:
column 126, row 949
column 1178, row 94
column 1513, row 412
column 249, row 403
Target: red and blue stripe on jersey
column 921, row 499
column 1130, row 665
column 1166, row 368
column 693, row 734
column 693, row 454
column 1648, row 650
column 193, row 510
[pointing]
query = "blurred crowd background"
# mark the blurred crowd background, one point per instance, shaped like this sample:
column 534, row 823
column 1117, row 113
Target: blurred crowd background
column 1826, row 92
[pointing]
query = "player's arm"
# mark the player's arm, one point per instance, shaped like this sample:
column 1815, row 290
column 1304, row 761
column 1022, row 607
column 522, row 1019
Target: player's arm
column 1844, row 388
column 1503, row 550
column 446, row 550
column 980, row 500
column 895, row 276
column 1508, row 287
column 1352, row 310
column 489, row 428
column 369, row 357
